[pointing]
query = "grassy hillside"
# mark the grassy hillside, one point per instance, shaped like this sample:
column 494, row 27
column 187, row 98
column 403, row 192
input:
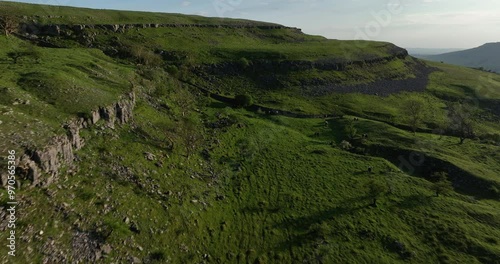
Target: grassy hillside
column 485, row 57
column 42, row 90
column 52, row 14
column 195, row 179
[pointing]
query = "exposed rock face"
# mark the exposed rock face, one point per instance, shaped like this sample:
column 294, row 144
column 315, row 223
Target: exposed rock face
column 27, row 167
column 395, row 53
column 56, row 30
column 50, row 159
column 60, row 151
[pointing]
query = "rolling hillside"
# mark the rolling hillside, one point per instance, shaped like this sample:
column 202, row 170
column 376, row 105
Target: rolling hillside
column 486, row 56
column 165, row 138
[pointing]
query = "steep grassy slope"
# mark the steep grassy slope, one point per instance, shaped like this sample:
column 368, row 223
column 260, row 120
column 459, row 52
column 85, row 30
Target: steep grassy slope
column 192, row 179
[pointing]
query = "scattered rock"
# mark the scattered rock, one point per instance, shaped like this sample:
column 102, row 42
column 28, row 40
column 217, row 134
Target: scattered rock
column 135, row 228
column 150, row 156
column 135, row 260
column 106, row 249
column 86, row 248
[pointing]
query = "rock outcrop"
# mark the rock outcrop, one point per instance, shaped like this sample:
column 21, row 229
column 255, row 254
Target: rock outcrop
column 267, row 65
column 42, row 166
column 62, row 29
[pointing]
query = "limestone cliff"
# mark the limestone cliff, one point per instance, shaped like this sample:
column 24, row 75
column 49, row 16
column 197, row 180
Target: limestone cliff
column 42, row 166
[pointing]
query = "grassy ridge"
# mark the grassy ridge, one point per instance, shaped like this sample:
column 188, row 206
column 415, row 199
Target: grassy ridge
column 52, row 14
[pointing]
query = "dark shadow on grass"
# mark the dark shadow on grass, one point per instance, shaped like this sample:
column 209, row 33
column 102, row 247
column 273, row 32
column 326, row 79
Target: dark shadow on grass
column 454, row 144
column 364, row 172
column 302, row 228
column 144, row 138
column 218, row 105
column 415, row 201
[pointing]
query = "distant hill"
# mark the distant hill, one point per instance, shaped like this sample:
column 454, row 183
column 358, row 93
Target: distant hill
column 421, row 52
column 486, row 56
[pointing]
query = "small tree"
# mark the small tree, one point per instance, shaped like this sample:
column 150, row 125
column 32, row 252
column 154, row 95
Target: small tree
column 184, row 99
column 243, row 100
column 350, row 130
column 244, row 63
column 413, row 111
column 145, row 57
column 9, row 24
column 441, row 183
column 461, row 117
column 375, row 191
column 191, row 136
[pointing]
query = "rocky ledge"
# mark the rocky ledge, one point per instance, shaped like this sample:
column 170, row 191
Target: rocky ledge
column 42, row 166
column 62, row 29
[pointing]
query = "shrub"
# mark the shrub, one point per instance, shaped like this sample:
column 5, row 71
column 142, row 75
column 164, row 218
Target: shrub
column 172, row 69
column 360, row 150
column 243, row 100
column 320, row 230
column 157, row 255
column 441, row 183
column 84, row 115
column 375, row 191
column 244, row 63
column 144, row 56
column 350, row 130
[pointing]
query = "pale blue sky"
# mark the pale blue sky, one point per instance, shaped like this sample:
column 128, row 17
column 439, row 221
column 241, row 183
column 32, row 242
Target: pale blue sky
column 407, row 23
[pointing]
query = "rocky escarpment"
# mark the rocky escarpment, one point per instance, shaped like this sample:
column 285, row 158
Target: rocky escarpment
column 68, row 30
column 274, row 74
column 332, row 64
column 42, row 166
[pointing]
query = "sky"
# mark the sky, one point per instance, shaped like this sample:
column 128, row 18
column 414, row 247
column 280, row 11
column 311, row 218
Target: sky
column 407, row 23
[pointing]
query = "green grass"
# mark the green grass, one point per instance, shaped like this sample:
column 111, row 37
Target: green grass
column 260, row 189
column 60, row 85
column 459, row 82
column 52, row 14
column 287, row 197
